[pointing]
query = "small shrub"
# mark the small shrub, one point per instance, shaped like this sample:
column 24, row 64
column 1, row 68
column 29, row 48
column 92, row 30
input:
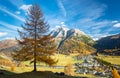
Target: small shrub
column 69, row 69
column 12, row 67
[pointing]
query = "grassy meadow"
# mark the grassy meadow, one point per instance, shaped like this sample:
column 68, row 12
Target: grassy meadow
column 110, row 59
column 25, row 71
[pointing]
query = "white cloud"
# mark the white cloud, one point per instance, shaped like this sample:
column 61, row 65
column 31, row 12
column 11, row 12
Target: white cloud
column 11, row 38
column 80, row 8
column 100, row 24
column 61, row 6
column 62, row 24
column 53, row 22
column 25, row 7
column 99, row 36
column 115, row 21
column 12, row 14
column 17, row 12
column 116, row 25
column 3, row 34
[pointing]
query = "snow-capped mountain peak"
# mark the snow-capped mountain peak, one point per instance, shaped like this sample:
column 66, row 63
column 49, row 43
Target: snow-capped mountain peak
column 59, row 32
column 63, row 32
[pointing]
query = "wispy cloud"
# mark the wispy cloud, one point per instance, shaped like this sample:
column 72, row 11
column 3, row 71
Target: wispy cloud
column 61, row 6
column 117, row 25
column 62, row 24
column 17, row 3
column 87, row 16
column 25, row 7
column 100, row 24
column 98, row 36
column 12, row 14
column 53, row 25
column 54, row 20
column 8, row 31
column 11, row 38
column 3, row 34
column 115, row 21
column 12, row 27
column 17, row 12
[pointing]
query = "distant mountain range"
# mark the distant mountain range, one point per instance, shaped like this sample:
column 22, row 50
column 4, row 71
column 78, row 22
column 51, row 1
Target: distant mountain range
column 109, row 42
column 109, row 45
column 8, row 43
column 64, row 37
column 69, row 41
column 6, row 47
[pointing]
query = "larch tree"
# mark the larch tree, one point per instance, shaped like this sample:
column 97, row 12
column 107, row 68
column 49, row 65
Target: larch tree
column 36, row 44
column 115, row 73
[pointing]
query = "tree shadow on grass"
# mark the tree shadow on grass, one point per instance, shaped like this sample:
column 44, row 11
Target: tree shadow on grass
column 38, row 74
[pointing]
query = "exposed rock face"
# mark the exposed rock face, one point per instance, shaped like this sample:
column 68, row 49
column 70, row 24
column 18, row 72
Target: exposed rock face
column 7, row 43
column 61, row 34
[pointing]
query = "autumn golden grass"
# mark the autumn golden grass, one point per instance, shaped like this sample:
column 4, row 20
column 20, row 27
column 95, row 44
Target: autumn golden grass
column 110, row 59
column 63, row 60
column 20, row 70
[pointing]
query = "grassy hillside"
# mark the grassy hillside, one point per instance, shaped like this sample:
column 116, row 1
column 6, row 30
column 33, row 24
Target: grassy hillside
column 115, row 52
column 110, row 59
column 1, row 58
column 75, row 45
column 63, row 60
column 43, row 70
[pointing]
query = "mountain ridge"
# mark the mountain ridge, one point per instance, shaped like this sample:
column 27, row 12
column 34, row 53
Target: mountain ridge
column 7, row 43
column 108, row 42
column 61, row 34
column 62, row 37
column 66, row 39
column 109, row 45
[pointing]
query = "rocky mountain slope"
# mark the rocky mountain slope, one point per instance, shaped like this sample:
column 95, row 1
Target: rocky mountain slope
column 70, row 40
column 6, row 47
column 8, row 43
column 72, row 45
column 61, row 34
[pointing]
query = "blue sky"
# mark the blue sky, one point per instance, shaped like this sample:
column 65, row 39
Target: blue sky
column 98, row 18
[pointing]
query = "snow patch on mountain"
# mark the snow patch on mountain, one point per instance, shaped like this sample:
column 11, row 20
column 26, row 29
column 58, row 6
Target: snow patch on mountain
column 63, row 32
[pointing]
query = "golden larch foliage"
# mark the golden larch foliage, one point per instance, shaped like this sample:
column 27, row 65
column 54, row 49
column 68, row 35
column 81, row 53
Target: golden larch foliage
column 36, row 44
column 12, row 67
column 69, row 69
column 115, row 73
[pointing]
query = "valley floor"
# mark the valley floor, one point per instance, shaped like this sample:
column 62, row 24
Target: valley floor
column 49, row 72
column 43, row 72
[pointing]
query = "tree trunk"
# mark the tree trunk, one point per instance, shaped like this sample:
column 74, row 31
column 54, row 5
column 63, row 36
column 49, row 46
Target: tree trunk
column 35, row 68
column 34, row 65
